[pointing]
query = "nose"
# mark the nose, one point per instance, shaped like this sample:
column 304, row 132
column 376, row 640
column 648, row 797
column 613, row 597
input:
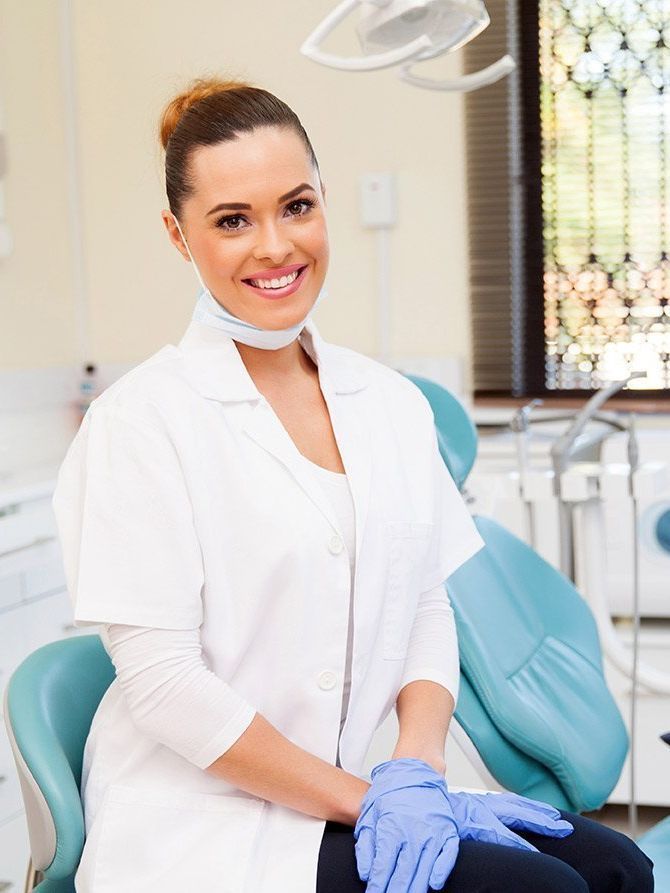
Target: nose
column 272, row 243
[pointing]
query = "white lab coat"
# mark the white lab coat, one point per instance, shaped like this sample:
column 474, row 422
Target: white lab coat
column 182, row 503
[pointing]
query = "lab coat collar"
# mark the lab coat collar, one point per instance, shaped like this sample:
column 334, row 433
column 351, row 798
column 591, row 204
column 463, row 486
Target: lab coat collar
column 216, row 369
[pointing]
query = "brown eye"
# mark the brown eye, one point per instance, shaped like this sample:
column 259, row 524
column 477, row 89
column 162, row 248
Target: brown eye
column 301, row 203
column 221, row 223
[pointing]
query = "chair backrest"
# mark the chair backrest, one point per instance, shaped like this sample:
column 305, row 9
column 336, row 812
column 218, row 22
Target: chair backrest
column 530, row 649
column 534, row 700
column 50, row 701
column 456, row 434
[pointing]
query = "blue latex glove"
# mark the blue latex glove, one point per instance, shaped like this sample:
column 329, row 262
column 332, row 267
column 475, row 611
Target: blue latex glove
column 406, row 835
column 488, row 817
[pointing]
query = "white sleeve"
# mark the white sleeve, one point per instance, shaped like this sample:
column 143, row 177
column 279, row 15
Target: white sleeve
column 432, row 652
column 125, row 522
column 455, row 538
column 172, row 696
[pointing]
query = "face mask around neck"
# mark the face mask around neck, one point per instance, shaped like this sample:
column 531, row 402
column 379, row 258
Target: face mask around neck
column 210, row 312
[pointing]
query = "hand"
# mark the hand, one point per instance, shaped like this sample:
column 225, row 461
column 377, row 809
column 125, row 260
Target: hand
column 489, row 816
column 406, row 834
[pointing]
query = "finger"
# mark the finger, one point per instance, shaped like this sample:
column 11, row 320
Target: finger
column 365, row 851
column 495, row 832
column 402, row 879
column 546, row 827
column 384, row 862
column 424, row 867
column 444, row 864
column 530, row 815
column 560, row 828
column 518, row 804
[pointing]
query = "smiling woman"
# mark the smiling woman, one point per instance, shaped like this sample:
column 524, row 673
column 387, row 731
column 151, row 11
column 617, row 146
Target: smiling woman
column 222, row 510
column 220, row 137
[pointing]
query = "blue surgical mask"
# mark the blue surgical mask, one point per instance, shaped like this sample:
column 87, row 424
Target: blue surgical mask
column 210, row 312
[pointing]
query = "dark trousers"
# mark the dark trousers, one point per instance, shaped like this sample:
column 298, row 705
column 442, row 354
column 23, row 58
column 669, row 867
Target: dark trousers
column 593, row 859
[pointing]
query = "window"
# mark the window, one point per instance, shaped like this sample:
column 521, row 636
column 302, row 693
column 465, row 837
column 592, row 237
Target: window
column 567, row 184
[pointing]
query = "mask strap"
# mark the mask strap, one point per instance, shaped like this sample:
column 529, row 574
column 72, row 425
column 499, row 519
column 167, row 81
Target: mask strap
column 195, row 266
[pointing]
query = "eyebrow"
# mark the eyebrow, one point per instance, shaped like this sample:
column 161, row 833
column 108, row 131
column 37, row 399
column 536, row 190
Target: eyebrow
column 242, row 206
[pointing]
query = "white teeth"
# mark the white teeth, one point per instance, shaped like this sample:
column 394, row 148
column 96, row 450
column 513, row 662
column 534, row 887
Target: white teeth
column 275, row 283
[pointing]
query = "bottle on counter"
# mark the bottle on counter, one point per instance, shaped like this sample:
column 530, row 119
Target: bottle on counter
column 88, row 387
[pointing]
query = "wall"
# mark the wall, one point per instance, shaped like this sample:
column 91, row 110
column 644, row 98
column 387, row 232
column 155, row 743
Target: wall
column 128, row 60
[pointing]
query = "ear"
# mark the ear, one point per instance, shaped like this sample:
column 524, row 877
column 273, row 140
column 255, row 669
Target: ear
column 174, row 235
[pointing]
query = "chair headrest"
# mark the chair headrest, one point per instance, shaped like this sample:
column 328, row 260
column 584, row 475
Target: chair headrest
column 456, row 434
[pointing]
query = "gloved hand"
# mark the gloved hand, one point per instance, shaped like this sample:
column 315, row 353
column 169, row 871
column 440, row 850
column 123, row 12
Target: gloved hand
column 406, row 835
column 488, row 816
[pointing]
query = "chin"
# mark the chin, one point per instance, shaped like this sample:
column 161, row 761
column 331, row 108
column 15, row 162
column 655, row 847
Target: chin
column 291, row 316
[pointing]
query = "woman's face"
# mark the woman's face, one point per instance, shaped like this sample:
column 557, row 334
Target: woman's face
column 282, row 224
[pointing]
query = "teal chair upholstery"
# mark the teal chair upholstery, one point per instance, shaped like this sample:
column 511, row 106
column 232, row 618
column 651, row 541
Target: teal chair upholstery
column 533, row 699
column 656, row 844
column 530, row 650
column 456, row 433
column 50, row 701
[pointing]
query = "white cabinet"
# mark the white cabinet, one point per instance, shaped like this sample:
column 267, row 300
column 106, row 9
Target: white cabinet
column 652, row 757
column 13, row 643
column 14, row 855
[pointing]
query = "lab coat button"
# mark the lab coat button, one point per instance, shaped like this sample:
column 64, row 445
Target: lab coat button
column 335, row 545
column 327, row 680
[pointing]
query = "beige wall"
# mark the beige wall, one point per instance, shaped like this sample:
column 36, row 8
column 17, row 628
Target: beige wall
column 130, row 57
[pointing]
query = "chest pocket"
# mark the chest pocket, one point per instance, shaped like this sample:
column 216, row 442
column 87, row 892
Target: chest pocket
column 407, row 548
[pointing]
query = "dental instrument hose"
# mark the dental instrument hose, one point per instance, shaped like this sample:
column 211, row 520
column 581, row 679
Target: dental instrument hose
column 520, row 424
column 560, row 455
column 633, row 459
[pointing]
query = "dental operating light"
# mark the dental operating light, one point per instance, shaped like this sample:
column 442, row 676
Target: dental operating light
column 404, row 32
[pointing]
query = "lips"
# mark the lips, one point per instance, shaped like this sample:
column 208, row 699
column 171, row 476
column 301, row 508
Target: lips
column 277, row 274
column 276, row 293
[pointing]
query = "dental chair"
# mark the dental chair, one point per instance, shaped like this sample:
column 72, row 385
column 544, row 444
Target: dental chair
column 533, row 698
column 49, row 704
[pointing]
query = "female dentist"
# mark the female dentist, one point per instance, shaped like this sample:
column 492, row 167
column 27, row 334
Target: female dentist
column 261, row 523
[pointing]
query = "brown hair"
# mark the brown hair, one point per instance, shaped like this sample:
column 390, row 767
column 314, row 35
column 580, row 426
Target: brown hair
column 212, row 111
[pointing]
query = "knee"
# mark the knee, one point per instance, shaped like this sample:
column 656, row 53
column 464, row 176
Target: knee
column 631, row 868
column 560, row 878
column 548, row 874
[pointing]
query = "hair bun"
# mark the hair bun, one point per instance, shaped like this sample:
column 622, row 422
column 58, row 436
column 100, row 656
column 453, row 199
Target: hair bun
column 213, row 110
column 199, row 89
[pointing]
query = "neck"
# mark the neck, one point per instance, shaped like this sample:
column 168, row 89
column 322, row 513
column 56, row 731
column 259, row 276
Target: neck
column 284, row 363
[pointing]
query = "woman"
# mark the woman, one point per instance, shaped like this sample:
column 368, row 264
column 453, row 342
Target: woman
column 262, row 524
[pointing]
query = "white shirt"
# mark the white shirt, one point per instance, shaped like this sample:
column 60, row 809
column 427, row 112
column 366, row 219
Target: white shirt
column 337, row 490
column 184, row 507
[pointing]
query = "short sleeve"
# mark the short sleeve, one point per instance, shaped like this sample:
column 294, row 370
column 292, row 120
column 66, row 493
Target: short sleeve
column 455, row 537
column 125, row 523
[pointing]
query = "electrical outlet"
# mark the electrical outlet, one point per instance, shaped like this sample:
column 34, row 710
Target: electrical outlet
column 378, row 200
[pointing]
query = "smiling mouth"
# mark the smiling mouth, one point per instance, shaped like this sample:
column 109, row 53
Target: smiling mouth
column 270, row 288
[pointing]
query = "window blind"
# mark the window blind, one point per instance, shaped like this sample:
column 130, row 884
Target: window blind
column 491, row 205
